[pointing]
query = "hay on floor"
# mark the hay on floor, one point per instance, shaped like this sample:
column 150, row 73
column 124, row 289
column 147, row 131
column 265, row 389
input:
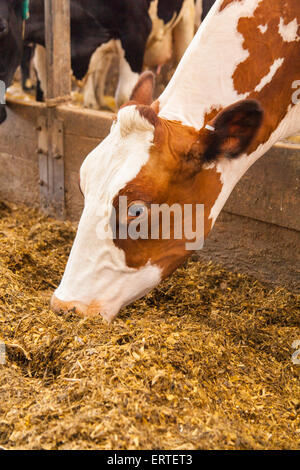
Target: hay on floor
column 203, row 362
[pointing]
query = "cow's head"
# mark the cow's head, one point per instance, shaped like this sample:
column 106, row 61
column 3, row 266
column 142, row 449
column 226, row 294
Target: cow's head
column 150, row 161
column 10, row 43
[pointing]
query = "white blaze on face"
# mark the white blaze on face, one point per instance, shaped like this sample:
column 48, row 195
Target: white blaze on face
column 96, row 270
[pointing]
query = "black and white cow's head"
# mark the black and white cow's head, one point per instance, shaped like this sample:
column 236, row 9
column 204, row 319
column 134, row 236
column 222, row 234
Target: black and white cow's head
column 11, row 13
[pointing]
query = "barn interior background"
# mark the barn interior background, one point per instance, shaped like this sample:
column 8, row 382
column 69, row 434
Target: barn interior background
column 42, row 146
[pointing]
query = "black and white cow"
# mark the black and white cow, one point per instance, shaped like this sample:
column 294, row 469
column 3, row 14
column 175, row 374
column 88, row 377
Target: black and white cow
column 11, row 18
column 143, row 33
column 206, row 6
column 171, row 32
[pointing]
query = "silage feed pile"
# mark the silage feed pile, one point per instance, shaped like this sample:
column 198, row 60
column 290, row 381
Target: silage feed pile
column 203, row 362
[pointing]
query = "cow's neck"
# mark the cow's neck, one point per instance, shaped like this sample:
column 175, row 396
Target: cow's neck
column 203, row 79
column 223, row 65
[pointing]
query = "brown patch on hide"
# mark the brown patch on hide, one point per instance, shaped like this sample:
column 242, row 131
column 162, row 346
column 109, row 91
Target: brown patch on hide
column 171, row 176
column 264, row 49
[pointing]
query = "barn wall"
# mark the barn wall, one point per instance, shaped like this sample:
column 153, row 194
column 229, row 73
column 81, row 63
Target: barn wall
column 268, row 192
column 83, row 131
column 19, row 168
column 19, row 172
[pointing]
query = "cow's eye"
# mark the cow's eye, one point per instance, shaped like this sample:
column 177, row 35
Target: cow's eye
column 137, row 209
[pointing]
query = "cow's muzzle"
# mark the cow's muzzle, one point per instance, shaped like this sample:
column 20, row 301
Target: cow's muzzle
column 94, row 309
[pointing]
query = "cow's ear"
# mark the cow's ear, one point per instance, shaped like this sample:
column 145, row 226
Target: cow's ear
column 143, row 90
column 232, row 130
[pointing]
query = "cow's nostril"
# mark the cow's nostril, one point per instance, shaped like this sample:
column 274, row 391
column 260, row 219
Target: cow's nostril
column 84, row 310
column 60, row 306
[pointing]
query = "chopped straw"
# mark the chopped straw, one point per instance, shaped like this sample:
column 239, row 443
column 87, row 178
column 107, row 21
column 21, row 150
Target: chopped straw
column 202, row 362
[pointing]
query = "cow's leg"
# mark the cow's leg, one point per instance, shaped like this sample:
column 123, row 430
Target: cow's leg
column 159, row 52
column 100, row 79
column 3, row 114
column 39, row 63
column 89, row 97
column 127, row 78
column 183, row 32
column 93, row 91
column 28, row 52
column 39, row 94
column 198, row 13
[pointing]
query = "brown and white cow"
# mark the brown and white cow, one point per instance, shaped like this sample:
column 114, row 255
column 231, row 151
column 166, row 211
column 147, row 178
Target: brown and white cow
column 190, row 146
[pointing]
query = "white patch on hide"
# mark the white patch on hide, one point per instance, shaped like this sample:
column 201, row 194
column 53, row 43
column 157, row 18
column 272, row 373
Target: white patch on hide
column 268, row 78
column 289, row 32
column 263, row 28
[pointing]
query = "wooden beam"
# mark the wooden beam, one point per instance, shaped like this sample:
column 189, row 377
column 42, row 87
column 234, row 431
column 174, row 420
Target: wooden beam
column 58, row 90
column 58, row 48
